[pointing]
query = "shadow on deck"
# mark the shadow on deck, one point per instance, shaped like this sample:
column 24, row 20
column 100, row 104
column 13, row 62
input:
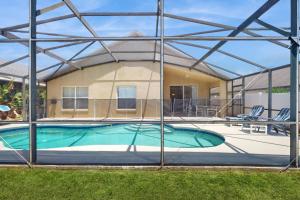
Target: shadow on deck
column 147, row 158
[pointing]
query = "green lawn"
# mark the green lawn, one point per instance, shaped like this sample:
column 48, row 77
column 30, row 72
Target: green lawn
column 142, row 184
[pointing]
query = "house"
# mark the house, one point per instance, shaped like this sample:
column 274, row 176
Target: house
column 96, row 85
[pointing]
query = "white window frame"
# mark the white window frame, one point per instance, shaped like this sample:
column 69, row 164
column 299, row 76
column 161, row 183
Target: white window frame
column 117, row 98
column 75, row 98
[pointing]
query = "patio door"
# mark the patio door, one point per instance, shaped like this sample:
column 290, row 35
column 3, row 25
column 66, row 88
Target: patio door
column 176, row 96
column 182, row 96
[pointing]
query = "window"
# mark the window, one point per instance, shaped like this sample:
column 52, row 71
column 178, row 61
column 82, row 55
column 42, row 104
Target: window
column 75, row 98
column 126, row 97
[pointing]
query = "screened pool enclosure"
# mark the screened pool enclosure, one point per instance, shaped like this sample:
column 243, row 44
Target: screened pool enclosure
column 149, row 83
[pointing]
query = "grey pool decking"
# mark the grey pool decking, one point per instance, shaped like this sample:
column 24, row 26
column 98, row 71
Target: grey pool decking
column 147, row 158
column 240, row 148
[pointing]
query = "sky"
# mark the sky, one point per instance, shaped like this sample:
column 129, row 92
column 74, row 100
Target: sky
column 229, row 12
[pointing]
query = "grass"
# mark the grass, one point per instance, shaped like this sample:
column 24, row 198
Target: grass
column 279, row 90
column 142, row 184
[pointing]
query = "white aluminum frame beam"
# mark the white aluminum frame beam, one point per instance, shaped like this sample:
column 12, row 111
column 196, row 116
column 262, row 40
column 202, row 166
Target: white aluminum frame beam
column 219, row 25
column 259, row 12
column 47, row 49
column 207, row 64
column 272, row 28
column 71, row 6
column 49, row 8
column 224, row 53
column 11, row 36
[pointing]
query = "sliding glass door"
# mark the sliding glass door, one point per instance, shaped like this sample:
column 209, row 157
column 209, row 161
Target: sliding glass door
column 182, row 97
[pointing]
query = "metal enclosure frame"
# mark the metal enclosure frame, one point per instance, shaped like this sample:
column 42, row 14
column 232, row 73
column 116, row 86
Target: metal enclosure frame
column 286, row 34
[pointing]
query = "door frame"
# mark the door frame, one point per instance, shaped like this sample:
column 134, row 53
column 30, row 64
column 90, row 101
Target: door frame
column 183, row 85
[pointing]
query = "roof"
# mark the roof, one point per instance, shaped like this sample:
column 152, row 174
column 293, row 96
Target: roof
column 13, row 71
column 135, row 51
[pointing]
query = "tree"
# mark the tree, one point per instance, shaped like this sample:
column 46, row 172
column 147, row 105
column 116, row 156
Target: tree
column 11, row 97
column 6, row 93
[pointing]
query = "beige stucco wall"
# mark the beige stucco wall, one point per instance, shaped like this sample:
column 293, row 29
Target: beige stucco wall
column 223, row 96
column 103, row 81
column 181, row 76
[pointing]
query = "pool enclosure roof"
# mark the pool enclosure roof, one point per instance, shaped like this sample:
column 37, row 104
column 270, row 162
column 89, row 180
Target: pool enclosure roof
column 136, row 51
column 207, row 47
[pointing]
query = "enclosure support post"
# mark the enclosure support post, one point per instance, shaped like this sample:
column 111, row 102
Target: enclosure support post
column 232, row 98
column 32, row 80
column 226, row 101
column 243, row 94
column 24, row 105
column 294, row 83
column 209, row 95
column 270, row 83
column 46, row 102
column 161, row 5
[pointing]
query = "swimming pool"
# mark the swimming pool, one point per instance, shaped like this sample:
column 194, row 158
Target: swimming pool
column 117, row 134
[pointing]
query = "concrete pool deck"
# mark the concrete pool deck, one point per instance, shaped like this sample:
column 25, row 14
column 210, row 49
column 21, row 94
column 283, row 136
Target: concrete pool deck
column 240, row 148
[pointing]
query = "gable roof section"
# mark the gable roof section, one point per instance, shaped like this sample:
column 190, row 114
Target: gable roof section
column 136, row 51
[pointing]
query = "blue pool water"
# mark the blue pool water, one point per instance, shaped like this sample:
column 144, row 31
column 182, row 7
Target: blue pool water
column 119, row 134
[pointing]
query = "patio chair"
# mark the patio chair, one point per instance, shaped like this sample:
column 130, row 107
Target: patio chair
column 200, row 111
column 253, row 115
column 212, row 111
column 283, row 115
